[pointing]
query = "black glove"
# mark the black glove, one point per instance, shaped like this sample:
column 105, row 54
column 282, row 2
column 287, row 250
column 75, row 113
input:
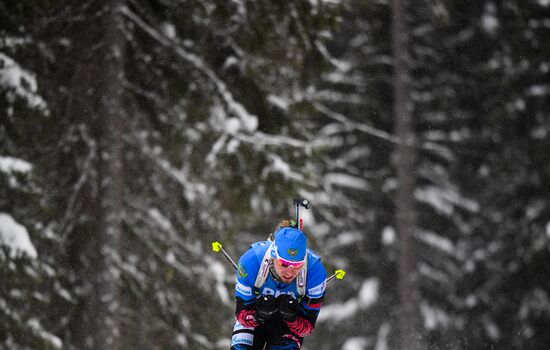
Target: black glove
column 266, row 306
column 288, row 307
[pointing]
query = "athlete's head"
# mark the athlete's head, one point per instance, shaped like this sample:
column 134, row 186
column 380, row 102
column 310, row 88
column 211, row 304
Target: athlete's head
column 289, row 253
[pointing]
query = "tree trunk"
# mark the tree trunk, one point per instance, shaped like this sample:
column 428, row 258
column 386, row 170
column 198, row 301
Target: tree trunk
column 109, row 122
column 404, row 162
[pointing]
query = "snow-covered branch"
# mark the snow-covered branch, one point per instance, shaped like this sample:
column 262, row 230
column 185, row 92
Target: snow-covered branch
column 248, row 120
column 22, row 82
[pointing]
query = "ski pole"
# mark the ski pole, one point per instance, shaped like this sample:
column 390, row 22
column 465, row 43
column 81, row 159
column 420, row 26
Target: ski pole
column 339, row 274
column 217, row 246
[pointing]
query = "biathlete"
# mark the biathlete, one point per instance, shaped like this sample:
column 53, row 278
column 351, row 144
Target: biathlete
column 279, row 291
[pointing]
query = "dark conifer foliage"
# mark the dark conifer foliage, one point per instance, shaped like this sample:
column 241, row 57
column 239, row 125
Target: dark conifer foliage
column 156, row 128
column 478, row 121
column 135, row 132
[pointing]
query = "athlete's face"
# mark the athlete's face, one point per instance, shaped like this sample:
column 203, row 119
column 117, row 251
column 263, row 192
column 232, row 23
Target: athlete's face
column 286, row 274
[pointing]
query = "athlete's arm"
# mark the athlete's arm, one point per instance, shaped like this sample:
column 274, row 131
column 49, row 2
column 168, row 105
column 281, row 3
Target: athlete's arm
column 244, row 287
column 245, row 313
column 310, row 306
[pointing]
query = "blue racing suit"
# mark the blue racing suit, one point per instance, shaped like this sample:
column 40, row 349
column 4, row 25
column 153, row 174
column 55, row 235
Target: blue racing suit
column 276, row 333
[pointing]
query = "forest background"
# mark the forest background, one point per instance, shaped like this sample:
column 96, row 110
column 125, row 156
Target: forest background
column 134, row 133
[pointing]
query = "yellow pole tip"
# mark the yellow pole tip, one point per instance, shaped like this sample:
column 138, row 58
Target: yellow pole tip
column 340, row 274
column 216, row 246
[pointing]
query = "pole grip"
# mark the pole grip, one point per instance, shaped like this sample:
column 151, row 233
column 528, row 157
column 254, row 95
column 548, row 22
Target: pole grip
column 339, row 274
column 217, row 247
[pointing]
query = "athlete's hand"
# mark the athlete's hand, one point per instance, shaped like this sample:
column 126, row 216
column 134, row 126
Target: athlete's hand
column 266, row 306
column 288, row 307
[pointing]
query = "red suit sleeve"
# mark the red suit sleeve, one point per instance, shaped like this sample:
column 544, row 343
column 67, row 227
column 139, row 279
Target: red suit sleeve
column 300, row 326
column 246, row 318
column 304, row 323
